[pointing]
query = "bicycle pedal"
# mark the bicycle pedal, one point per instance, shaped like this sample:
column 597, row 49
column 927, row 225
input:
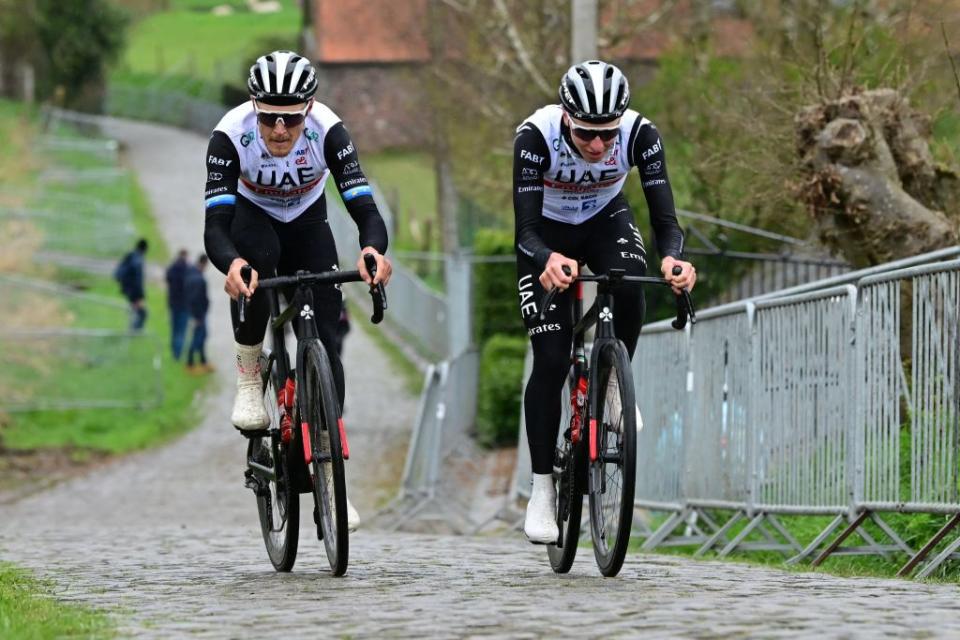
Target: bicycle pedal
column 250, row 481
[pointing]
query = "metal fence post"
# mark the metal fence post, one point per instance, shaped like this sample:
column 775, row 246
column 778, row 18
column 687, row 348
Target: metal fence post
column 457, row 275
column 753, row 475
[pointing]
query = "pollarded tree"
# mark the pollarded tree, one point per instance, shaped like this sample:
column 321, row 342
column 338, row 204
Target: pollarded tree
column 872, row 185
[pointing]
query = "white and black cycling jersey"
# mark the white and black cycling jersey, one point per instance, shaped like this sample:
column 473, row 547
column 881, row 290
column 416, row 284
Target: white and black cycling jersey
column 574, row 189
column 552, row 180
column 283, row 187
column 239, row 165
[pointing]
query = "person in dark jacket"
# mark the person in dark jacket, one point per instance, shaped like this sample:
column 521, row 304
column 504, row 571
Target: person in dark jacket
column 177, row 303
column 197, row 302
column 129, row 273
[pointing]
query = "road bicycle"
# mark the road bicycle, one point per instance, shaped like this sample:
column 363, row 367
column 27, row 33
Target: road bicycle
column 596, row 455
column 304, row 448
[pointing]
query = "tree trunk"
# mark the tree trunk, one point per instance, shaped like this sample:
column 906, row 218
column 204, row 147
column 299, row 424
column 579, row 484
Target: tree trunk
column 870, row 181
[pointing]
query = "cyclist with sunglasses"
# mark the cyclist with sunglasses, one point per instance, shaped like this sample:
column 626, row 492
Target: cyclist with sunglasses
column 570, row 164
column 267, row 163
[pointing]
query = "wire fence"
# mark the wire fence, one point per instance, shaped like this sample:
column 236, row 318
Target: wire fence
column 82, row 203
column 50, row 366
column 164, row 106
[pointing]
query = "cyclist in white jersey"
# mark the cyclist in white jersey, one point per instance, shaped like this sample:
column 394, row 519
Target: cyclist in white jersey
column 570, row 163
column 267, row 163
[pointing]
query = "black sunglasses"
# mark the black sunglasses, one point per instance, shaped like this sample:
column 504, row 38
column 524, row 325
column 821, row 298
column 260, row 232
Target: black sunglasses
column 290, row 119
column 588, row 135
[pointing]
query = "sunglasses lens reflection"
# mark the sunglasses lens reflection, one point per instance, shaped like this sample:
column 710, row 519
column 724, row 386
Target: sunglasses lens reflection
column 289, row 119
column 589, row 134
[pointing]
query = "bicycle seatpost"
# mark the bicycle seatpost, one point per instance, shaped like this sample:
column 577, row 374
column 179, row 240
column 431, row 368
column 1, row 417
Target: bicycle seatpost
column 246, row 274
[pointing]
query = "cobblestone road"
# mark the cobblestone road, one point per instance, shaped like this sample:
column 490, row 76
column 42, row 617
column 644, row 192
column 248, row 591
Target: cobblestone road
column 215, row 582
column 168, row 539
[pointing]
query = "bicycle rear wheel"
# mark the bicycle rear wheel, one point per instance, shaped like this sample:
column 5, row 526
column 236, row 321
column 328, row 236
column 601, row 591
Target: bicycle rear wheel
column 320, row 410
column 270, row 463
column 568, row 466
column 613, row 474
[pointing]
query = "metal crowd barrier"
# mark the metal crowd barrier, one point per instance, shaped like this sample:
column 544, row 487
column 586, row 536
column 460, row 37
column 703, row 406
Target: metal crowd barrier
column 415, row 311
column 429, row 496
column 794, row 404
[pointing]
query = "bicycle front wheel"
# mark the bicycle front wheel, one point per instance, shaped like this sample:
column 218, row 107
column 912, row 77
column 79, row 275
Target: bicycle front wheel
column 270, row 470
column 613, row 473
column 321, row 412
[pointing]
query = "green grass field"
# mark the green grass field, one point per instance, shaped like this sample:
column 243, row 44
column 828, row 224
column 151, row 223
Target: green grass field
column 77, row 368
column 121, row 365
column 28, row 610
column 189, row 40
column 408, row 183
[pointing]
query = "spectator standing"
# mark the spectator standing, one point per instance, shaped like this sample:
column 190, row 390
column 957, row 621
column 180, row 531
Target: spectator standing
column 129, row 274
column 195, row 293
column 177, row 302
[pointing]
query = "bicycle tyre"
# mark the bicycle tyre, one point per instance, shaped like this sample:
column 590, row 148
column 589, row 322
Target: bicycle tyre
column 279, row 506
column 613, row 474
column 321, row 412
column 568, row 469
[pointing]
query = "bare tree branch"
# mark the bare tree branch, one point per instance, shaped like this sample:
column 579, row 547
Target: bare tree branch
column 953, row 66
column 522, row 55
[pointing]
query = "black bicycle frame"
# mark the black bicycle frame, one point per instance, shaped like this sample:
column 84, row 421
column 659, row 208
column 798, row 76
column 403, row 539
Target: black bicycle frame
column 601, row 314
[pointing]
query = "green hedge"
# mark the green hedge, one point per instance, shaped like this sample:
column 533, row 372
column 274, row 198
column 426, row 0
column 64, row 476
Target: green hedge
column 501, row 376
column 495, row 287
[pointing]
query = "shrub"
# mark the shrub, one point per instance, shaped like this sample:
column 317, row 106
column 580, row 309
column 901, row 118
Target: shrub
column 495, row 287
column 501, row 377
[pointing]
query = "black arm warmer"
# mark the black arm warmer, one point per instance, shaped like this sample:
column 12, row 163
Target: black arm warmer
column 530, row 155
column 344, row 164
column 223, row 172
column 647, row 154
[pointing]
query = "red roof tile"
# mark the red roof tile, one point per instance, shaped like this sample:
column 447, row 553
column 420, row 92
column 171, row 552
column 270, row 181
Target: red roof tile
column 370, row 30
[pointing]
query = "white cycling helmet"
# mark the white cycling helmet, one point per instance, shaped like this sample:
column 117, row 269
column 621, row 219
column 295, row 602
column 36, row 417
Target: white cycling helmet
column 282, row 78
column 595, row 92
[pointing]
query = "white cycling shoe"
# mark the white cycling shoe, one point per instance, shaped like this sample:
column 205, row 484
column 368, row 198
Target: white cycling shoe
column 613, row 402
column 353, row 516
column 248, row 413
column 540, row 525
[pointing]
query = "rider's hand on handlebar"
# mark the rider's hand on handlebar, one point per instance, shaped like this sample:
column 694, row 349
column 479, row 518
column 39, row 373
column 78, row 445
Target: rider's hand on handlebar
column 384, row 268
column 687, row 278
column 234, row 286
column 554, row 274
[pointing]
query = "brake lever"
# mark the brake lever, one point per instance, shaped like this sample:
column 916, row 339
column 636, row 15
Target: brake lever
column 377, row 291
column 548, row 298
column 246, row 274
column 684, row 306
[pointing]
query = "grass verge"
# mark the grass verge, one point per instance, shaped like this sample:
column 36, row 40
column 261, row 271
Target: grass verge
column 914, row 529
column 112, row 430
column 29, row 610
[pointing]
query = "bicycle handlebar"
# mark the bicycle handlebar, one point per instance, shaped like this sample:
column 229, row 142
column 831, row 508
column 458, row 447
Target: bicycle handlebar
column 377, row 291
column 685, row 310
